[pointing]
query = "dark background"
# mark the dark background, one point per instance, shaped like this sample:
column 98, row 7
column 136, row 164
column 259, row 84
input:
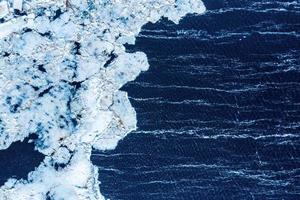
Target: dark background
column 218, row 111
column 18, row 160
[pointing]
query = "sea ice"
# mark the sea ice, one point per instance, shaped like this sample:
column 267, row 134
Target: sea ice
column 3, row 9
column 62, row 64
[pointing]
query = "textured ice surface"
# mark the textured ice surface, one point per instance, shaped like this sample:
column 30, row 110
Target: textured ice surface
column 62, row 64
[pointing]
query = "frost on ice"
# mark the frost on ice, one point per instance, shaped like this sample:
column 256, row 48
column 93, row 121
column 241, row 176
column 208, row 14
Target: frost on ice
column 62, row 63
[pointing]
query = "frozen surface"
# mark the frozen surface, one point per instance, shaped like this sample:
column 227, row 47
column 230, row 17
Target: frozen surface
column 61, row 66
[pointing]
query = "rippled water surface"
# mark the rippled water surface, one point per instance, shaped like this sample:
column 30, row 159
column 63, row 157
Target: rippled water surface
column 218, row 111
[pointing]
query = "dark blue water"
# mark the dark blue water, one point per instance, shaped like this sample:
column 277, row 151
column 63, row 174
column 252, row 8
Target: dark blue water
column 218, row 111
column 18, row 160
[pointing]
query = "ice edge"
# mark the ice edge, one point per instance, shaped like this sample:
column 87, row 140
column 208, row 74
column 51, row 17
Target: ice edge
column 62, row 64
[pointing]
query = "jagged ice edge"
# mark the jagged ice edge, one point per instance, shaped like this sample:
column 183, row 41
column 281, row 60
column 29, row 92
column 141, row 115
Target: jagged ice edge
column 61, row 67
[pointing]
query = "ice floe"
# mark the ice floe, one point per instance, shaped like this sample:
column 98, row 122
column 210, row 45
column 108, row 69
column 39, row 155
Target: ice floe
column 62, row 64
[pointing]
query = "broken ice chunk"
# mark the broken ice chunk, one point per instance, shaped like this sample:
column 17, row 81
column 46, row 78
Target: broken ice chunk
column 11, row 26
column 18, row 5
column 3, row 9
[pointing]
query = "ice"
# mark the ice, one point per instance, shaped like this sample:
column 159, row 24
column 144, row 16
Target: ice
column 11, row 27
column 3, row 9
column 18, row 4
column 62, row 64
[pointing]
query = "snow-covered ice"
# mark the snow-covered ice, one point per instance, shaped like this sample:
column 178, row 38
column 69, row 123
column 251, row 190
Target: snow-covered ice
column 62, row 64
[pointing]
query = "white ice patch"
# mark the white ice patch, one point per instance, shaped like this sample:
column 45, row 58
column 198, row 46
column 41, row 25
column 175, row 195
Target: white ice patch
column 3, row 9
column 62, row 64
column 18, row 4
